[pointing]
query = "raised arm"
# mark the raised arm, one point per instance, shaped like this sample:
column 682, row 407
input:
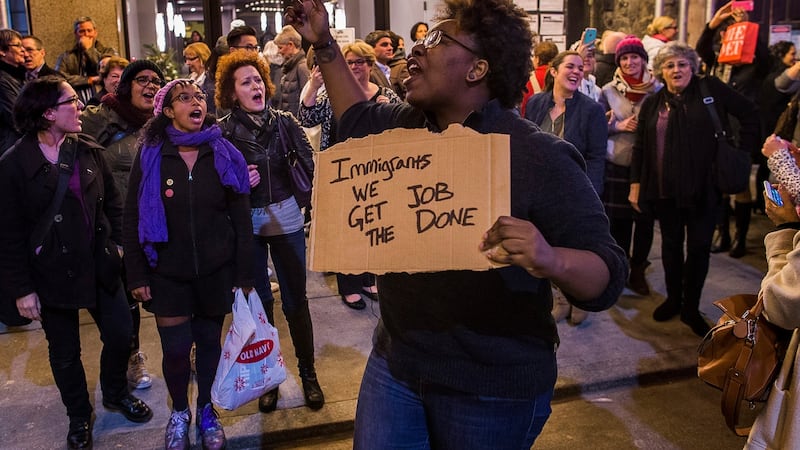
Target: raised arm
column 310, row 19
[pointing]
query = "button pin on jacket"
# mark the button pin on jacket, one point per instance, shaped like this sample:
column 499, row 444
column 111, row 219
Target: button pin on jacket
column 169, row 193
column 170, row 181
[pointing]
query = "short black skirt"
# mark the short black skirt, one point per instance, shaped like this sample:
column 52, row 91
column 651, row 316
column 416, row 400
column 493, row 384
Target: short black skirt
column 210, row 295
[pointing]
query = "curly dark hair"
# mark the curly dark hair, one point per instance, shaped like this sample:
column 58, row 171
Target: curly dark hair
column 779, row 49
column 225, row 81
column 35, row 98
column 502, row 32
column 155, row 128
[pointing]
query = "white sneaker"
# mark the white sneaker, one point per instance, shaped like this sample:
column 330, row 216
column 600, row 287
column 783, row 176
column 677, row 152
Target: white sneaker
column 138, row 377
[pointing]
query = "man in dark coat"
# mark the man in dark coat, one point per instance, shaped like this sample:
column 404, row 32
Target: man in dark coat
column 35, row 66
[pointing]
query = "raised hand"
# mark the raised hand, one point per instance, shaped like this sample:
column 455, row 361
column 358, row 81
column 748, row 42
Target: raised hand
column 310, row 19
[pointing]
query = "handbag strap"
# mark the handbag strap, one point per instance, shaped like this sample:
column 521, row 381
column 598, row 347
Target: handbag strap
column 283, row 135
column 708, row 100
column 66, row 163
column 735, row 386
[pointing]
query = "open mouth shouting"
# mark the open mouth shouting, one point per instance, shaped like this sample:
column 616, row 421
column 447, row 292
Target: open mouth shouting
column 414, row 70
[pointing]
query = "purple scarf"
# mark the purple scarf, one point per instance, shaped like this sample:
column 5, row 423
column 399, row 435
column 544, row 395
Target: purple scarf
column 228, row 161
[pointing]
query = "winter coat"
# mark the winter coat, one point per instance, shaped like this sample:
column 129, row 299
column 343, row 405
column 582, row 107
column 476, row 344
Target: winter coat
column 118, row 138
column 77, row 64
column 690, row 145
column 208, row 225
column 262, row 146
column 585, row 127
column 80, row 245
column 11, row 80
column 781, row 293
column 295, row 75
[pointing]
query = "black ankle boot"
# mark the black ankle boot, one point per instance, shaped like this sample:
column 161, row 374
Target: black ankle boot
column 269, row 401
column 695, row 321
column 667, row 310
column 741, row 212
column 312, row 392
column 722, row 238
column 80, row 434
column 637, row 282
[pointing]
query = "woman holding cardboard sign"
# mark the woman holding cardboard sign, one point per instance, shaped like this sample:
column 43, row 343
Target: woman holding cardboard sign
column 465, row 359
column 244, row 87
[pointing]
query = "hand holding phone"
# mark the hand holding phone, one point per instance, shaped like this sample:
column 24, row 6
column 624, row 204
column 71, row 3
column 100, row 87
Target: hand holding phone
column 589, row 36
column 772, row 194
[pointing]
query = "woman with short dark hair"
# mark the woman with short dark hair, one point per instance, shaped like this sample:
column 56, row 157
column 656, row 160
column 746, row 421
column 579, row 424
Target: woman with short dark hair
column 75, row 261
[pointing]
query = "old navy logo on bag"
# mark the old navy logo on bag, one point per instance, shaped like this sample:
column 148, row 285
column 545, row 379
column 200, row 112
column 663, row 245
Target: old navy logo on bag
column 256, row 351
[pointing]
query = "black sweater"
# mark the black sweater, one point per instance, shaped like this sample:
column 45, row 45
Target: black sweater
column 491, row 332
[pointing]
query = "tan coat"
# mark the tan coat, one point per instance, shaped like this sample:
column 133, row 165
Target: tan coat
column 778, row 425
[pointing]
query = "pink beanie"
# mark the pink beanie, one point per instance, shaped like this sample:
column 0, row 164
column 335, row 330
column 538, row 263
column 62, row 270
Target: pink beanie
column 158, row 101
column 631, row 44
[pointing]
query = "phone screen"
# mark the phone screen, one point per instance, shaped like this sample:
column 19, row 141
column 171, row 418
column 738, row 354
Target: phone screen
column 746, row 5
column 589, row 36
column 773, row 194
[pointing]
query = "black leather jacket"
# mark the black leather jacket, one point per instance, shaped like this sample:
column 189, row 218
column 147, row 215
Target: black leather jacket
column 262, row 146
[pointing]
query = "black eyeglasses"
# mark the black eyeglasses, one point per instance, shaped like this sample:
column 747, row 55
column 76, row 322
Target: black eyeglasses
column 434, row 38
column 144, row 81
column 18, row 46
column 183, row 97
column 356, row 62
column 75, row 100
column 249, row 48
column 190, row 59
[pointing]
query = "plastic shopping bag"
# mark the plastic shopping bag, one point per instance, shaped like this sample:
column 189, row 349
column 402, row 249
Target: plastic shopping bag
column 251, row 362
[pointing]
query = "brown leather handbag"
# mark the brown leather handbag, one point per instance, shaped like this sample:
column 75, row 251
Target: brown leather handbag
column 741, row 356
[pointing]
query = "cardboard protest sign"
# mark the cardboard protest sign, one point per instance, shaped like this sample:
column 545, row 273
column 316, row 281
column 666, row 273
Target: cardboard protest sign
column 739, row 43
column 408, row 201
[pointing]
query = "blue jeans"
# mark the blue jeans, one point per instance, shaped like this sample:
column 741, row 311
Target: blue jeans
column 392, row 414
column 289, row 258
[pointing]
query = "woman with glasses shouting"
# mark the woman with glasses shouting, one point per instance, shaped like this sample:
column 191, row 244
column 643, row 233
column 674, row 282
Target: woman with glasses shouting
column 315, row 109
column 265, row 136
column 116, row 124
column 188, row 243
column 59, row 252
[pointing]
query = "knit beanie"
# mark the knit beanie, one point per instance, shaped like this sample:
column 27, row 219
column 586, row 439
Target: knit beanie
column 631, row 44
column 137, row 66
column 158, row 100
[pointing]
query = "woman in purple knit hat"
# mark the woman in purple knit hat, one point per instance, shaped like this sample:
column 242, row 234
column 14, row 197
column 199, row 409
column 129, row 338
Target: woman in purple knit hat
column 188, row 242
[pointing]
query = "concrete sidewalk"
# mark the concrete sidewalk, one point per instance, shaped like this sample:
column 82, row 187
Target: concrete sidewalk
column 617, row 347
